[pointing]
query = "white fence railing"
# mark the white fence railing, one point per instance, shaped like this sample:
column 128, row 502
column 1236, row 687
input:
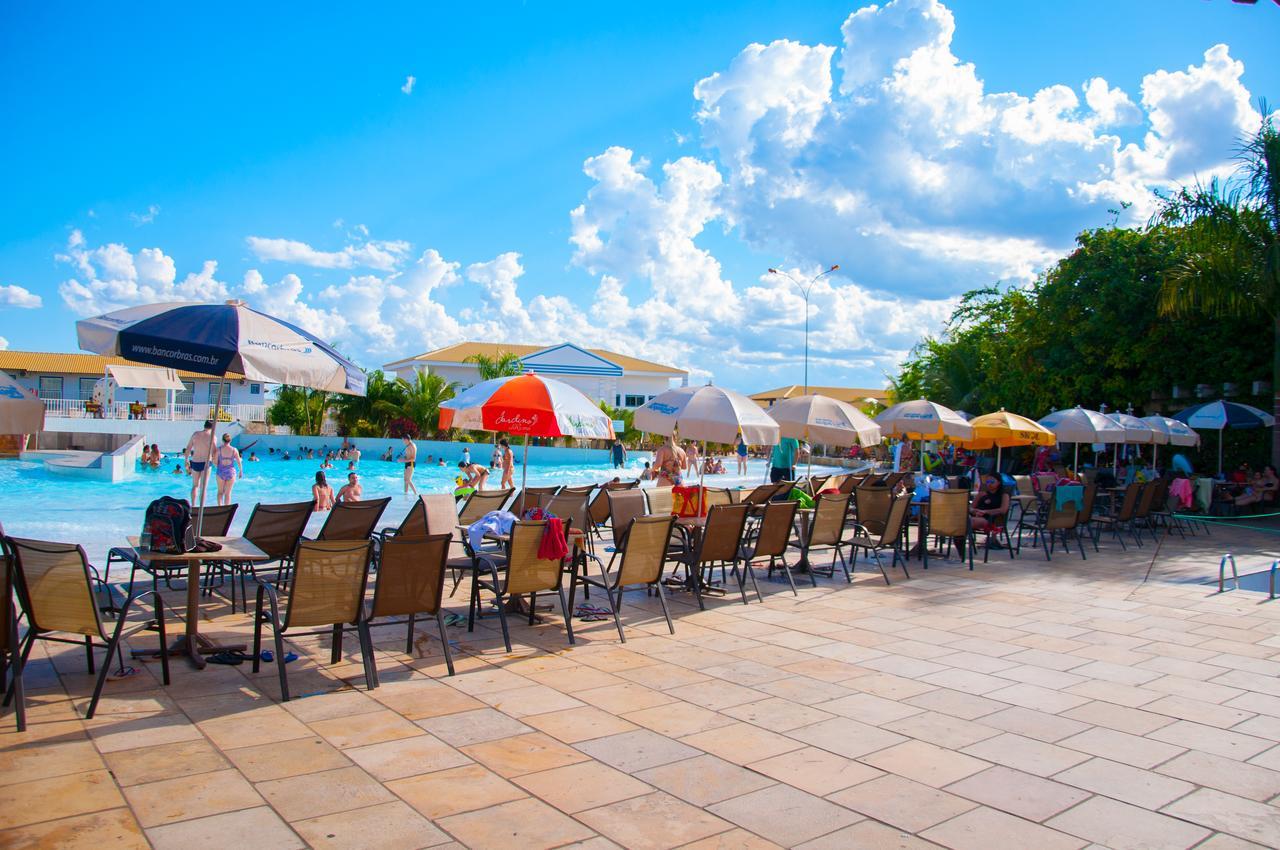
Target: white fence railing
column 80, row 409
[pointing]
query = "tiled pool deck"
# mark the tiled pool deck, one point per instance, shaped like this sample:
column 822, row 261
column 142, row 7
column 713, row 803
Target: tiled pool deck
column 1023, row 705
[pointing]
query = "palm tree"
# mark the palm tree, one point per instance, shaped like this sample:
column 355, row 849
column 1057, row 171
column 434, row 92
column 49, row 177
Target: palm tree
column 422, row 399
column 505, row 364
column 1230, row 234
column 382, row 400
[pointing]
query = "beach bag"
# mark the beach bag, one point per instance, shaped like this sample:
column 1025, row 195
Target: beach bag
column 167, row 524
column 798, row 495
column 686, row 501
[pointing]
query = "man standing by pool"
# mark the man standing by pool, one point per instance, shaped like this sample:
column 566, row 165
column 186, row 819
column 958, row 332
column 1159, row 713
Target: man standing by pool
column 619, row 454
column 410, row 458
column 508, row 464
column 782, row 462
column 199, row 454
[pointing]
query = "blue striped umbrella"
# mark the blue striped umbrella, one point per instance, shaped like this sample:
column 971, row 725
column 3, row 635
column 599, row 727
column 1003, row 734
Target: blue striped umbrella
column 1217, row 415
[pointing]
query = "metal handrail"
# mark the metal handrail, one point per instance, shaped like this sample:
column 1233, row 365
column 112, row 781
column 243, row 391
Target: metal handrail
column 1222, row 572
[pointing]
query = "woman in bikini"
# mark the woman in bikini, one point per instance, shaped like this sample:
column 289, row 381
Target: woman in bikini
column 227, row 460
column 322, row 493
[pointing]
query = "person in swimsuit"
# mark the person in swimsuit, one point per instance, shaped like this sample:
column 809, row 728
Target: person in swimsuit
column 477, row 475
column 227, row 461
column 410, row 456
column 740, row 449
column 508, row 464
column 199, row 454
column 322, row 493
column 669, row 460
column 352, row 491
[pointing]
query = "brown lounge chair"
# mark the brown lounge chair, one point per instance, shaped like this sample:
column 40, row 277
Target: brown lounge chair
column 353, row 520
column 55, row 587
column 643, row 555
column 826, row 534
column 520, row 572
column 773, row 537
column 329, row 581
column 889, row 537
column 411, row 582
column 10, row 647
column 720, row 544
column 276, row 530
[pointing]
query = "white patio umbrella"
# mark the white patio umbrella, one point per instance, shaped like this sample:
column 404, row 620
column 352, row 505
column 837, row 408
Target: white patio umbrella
column 1169, row 432
column 1081, row 425
column 923, row 420
column 1136, row 432
column 527, row 406
column 825, row 420
column 708, row 414
column 1220, row 415
column 217, row 339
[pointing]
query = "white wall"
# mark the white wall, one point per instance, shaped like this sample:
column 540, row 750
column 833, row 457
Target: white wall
column 240, row 392
column 596, row 387
column 170, row 436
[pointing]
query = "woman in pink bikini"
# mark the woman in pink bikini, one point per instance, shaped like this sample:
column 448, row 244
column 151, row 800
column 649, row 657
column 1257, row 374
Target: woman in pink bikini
column 228, row 462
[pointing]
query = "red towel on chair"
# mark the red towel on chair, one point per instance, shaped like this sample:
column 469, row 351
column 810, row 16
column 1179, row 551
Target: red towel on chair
column 552, row 547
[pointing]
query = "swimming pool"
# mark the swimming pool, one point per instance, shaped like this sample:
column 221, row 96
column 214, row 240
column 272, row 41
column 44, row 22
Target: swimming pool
column 99, row 514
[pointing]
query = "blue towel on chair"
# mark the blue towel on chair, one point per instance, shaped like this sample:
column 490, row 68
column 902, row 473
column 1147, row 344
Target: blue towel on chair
column 1068, row 495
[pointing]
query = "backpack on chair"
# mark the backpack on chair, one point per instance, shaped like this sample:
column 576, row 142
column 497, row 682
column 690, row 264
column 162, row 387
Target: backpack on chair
column 168, row 522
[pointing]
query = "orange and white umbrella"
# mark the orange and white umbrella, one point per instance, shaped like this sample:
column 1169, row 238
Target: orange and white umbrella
column 527, row 406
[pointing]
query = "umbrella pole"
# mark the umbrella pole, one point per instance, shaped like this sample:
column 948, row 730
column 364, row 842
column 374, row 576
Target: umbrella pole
column 204, row 484
column 999, row 451
column 524, row 470
column 1078, row 459
column 1220, row 430
column 702, row 498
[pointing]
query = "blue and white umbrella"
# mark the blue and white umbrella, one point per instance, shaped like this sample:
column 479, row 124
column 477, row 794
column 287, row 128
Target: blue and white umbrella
column 214, row 339
column 1218, row 415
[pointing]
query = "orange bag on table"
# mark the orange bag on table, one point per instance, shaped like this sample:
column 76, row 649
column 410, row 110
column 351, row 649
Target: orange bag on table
column 686, row 501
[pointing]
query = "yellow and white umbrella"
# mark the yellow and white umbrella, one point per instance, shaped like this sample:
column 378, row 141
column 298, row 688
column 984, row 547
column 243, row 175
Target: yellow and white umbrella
column 1002, row 428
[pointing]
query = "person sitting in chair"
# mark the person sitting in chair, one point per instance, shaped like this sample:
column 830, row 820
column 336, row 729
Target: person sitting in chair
column 991, row 507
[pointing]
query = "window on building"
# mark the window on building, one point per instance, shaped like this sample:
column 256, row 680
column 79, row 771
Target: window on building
column 213, row 392
column 86, row 388
column 187, row 394
column 617, row 400
column 50, row 386
column 255, row 389
column 634, row 400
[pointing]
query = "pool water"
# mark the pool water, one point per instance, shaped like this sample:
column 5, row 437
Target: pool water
column 98, row 514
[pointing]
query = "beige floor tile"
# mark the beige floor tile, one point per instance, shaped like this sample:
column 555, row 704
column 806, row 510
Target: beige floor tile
column 406, row 757
column 677, row 719
column 263, row 726
column 784, row 814
column 524, row 823
column 114, row 828
column 846, row 737
column 926, row 763
column 533, row 699
column 458, row 789
column 418, row 700
column 1224, row 774
column 573, row 679
column 126, row 734
column 1026, row 754
column 704, row 779
column 169, row 800
column 1034, row 724
column 653, row 822
column 717, row 695
column 1121, row 718
column 1198, row 711
column 286, row 758
column 1018, row 793
column 633, row 751
column 942, row 729
column 1247, row 819
column 1038, row 698
column 1123, row 827
column 579, row 724
column 1197, row 736
column 816, row 771
column 24, row 764
column 901, row 803
column 868, row 835
column 957, row 704
column 1125, row 783
column 389, row 826
column 577, row 787
column 1222, row 841
column 166, row 761
column 360, row 730
column 522, row 754
column 314, row 794
column 257, row 827
column 777, row 714
column 1122, row 747
column 623, row 698
column 988, row 829
column 734, row 839
column 473, row 727
column 344, row 703
column 742, row 743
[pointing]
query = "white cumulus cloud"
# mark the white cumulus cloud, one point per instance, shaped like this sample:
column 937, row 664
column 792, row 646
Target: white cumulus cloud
column 17, row 296
column 409, row 82
column 379, row 255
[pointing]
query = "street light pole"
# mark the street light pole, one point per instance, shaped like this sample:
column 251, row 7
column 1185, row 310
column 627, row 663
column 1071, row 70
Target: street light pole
column 805, row 289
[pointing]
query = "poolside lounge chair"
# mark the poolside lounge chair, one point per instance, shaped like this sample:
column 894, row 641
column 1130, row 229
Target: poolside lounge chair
column 949, row 519
column 720, row 544
column 660, row 500
column 529, row 498
column 10, row 646
column 518, row 573
column 55, row 587
column 1142, row 514
column 643, row 555
column 760, row 495
column 871, row 505
column 276, row 530
column 1048, row 524
column 624, row 506
column 772, row 537
column 888, row 538
column 480, row 503
column 217, row 522
column 826, row 534
column 328, row 587
column 411, row 582
column 353, row 520
column 1122, row 519
column 717, row 496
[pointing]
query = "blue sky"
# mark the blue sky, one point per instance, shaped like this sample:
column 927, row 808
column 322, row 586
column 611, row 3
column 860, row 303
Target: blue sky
column 616, row 177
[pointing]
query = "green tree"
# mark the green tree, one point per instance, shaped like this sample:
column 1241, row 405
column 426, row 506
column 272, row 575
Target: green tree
column 503, row 365
column 630, row 436
column 422, row 398
column 368, row 415
column 299, row 409
column 1230, row 267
